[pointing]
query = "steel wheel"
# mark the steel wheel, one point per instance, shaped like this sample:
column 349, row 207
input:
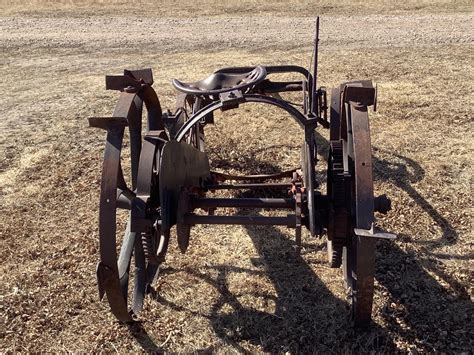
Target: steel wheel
column 359, row 257
column 130, row 192
column 350, row 127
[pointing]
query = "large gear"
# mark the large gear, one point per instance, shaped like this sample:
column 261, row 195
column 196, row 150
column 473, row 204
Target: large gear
column 338, row 214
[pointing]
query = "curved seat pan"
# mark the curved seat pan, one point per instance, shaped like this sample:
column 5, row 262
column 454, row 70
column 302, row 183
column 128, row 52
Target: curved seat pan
column 220, row 82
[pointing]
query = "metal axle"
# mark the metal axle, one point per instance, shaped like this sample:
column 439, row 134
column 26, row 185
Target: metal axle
column 254, row 186
column 288, row 203
column 192, row 219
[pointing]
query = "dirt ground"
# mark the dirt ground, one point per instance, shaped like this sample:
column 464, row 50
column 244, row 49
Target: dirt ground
column 237, row 289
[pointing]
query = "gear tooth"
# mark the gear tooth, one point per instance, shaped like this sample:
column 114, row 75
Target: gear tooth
column 336, row 259
column 337, row 229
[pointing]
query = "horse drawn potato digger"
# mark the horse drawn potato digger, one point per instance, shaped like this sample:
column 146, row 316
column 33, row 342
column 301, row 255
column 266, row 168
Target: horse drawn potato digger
column 171, row 183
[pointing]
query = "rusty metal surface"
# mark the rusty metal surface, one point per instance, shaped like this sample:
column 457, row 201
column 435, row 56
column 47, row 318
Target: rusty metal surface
column 362, row 258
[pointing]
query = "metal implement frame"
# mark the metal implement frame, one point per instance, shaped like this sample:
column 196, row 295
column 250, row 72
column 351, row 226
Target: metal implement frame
column 170, row 176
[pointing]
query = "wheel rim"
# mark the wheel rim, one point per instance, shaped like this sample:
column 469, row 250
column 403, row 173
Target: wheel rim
column 114, row 271
column 358, row 255
column 360, row 252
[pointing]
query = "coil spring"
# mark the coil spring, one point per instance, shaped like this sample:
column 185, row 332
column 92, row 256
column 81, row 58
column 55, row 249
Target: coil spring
column 149, row 249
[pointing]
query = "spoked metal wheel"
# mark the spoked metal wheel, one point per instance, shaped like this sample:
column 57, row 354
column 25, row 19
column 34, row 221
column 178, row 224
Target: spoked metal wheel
column 350, row 131
column 131, row 192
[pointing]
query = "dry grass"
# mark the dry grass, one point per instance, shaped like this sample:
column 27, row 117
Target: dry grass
column 178, row 9
column 238, row 289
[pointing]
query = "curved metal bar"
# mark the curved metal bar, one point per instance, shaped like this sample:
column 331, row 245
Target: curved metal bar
column 153, row 107
column 274, row 69
column 297, row 115
column 364, row 263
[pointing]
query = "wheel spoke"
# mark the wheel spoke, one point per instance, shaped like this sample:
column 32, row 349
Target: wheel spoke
column 125, row 198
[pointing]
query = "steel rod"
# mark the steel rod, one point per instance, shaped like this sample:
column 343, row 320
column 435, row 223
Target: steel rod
column 289, row 221
column 244, row 202
column 249, row 186
column 315, row 71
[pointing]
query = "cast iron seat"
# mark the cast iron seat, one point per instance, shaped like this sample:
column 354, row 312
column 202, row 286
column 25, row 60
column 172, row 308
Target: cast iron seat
column 221, row 82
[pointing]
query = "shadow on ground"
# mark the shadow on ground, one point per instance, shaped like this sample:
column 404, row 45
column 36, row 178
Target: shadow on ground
column 140, row 334
column 307, row 315
column 423, row 305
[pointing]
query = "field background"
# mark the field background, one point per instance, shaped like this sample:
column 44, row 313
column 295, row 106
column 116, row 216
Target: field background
column 237, row 289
